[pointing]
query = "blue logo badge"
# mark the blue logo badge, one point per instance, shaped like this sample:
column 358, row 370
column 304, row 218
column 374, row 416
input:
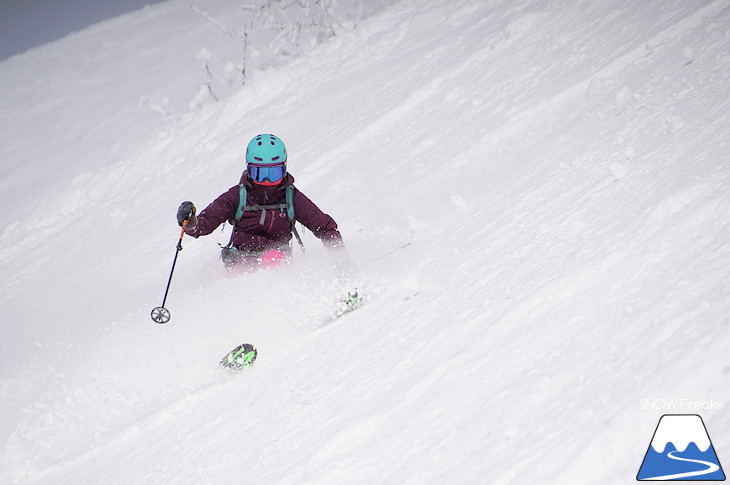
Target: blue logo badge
column 681, row 450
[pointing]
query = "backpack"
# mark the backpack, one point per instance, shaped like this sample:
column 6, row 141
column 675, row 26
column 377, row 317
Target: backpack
column 289, row 206
column 242, row 207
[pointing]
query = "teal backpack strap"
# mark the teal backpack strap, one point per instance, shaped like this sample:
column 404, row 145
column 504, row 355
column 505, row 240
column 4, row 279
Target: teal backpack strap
column 242, row 195
column 290, row 203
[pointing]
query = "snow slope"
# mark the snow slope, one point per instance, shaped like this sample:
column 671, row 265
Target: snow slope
column 536, row 198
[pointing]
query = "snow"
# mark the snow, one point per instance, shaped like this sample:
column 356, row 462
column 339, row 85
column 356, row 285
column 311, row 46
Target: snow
column 535, row 197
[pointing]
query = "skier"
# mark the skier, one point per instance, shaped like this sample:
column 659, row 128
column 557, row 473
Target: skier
column 264, row 221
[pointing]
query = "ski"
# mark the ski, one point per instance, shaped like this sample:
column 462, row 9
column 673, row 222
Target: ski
column 349, row 303
column 244, row 355
column 239, row 358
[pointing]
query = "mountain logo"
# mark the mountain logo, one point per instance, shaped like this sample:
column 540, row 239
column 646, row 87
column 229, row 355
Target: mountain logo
column 681, row 450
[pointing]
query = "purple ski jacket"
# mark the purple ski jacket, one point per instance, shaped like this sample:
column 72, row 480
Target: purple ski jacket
column 257, row 232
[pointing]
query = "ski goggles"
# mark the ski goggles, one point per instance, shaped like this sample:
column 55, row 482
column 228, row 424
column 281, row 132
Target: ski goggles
column 261, row 173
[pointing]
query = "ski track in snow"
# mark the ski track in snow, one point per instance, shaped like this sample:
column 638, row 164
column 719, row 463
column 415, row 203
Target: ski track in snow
column 536, row 198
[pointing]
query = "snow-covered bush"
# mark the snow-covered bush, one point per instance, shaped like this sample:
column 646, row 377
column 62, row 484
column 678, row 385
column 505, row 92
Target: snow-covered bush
column 274, row 31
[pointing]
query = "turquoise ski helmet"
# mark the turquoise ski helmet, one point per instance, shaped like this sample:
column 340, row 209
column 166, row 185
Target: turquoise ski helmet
column 266, row 150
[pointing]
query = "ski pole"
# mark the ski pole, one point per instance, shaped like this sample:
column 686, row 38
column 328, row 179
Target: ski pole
column 161, row 314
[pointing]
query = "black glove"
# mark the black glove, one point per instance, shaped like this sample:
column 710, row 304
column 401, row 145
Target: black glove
column 186, row 212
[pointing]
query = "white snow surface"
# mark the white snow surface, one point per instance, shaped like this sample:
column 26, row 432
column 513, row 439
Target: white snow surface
column 536, row 196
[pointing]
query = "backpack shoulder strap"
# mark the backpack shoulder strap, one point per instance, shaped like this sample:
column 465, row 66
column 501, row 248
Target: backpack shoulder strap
column 290, row 203
column 242, row 195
